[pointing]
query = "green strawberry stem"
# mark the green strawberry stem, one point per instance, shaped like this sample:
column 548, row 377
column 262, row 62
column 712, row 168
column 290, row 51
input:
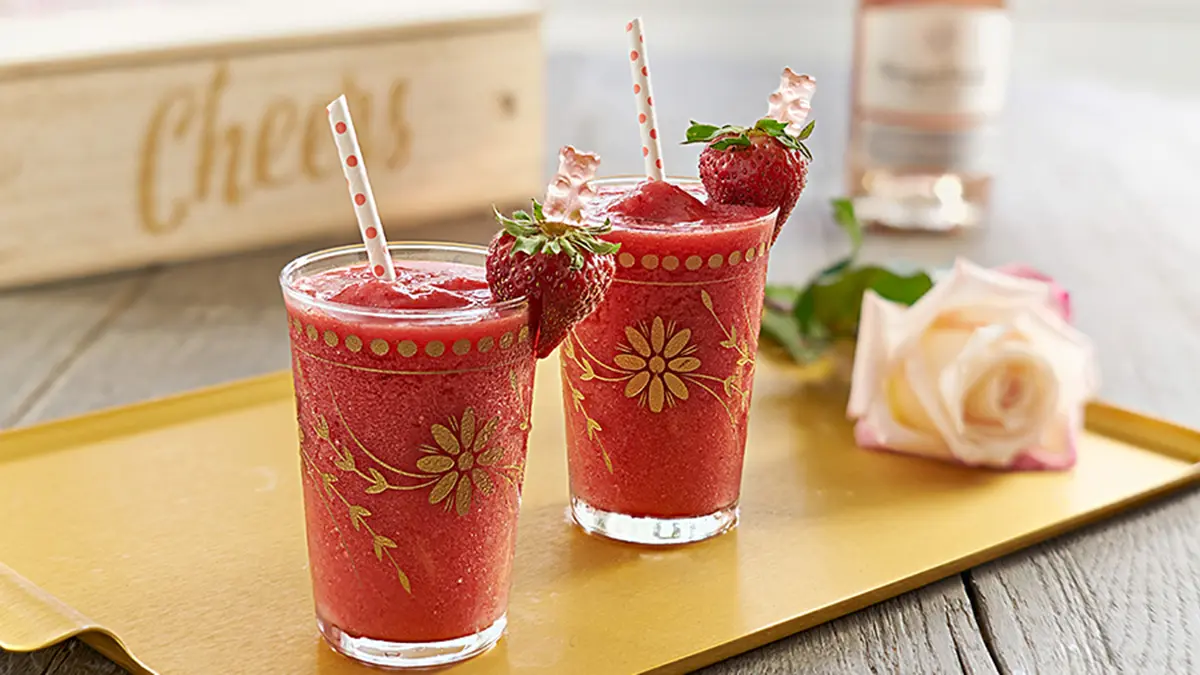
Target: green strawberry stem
column 534, row 235
column 729, row 136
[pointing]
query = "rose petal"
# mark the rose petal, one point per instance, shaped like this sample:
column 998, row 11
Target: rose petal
column 1058, row 448
column 871, row 351
column 971, row 287
column 1070, row 351
column 878, row 429
column 1060, row 299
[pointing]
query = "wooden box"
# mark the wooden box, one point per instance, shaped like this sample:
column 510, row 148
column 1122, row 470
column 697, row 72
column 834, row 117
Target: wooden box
column 144, row 135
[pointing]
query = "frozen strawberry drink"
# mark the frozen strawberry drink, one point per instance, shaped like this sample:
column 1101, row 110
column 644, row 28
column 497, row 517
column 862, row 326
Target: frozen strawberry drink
column 657, row 381
column 413, row 401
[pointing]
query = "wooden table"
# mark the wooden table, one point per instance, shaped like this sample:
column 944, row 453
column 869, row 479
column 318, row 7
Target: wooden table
column 1098, row 187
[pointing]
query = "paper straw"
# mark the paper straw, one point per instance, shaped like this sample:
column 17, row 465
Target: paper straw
column 640, row 68
column 360, row 189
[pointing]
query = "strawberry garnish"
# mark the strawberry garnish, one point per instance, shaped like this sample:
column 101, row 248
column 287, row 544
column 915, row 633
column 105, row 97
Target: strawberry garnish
column 556, row 261
column 765, row 165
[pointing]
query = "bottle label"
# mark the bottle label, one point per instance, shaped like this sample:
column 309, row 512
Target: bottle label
column 933, row 60
column 967, row 151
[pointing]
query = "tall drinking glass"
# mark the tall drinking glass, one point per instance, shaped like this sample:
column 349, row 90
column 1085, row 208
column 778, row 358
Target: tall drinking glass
column 413, row 406
column 657, row 381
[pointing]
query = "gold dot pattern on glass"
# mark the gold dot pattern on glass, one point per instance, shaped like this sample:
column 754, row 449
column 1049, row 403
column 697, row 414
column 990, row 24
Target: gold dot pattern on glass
column 650, row 261
column 715, row 260
column 750, row 253
column 670, row 263
column 625, row 260
column 409, row 348
column 735, row 258
column 694, row 262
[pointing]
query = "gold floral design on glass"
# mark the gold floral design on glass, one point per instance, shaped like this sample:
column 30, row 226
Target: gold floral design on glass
column 328, row 490
column 657, row 359
column 656, row 365
column 577, row 398
column 459, row 458
column 463, row 461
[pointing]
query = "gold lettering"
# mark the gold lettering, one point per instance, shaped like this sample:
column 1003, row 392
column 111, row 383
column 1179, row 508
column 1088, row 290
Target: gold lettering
column 255, row 148
column 148, row 171
column 211, row 138
column 316, row 158
column 233, row 140
column 274, row 133
column 398, row 121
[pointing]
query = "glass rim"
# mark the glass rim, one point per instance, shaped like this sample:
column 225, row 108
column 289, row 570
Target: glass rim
column 292, row 268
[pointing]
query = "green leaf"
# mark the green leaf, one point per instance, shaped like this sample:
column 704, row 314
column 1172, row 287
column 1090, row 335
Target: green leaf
column 905, row 289
column 522, row 216
column 771, row 126
column 572, row 252
column 807, row 130
column 843, row 215
column 598, row 246
column 829, row 306
column 778, row 327
column 538, row 216
column 701, row 132
column 779, row 297
column 730, row 141
column 837, row 303
column 526, row 245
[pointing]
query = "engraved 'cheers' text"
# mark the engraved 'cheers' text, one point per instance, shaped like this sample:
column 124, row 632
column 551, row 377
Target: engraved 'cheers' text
column 285, row 142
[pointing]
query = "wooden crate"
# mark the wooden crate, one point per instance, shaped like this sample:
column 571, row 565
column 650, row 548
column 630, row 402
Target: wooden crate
column 142, row 136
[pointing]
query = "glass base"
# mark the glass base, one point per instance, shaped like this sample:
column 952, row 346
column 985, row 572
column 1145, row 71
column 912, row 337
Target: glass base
column 649, row 530
column 411, row 654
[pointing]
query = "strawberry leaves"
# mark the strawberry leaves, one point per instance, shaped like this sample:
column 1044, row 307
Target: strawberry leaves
column 534, row 235
column 804, row 321
column 728, row 136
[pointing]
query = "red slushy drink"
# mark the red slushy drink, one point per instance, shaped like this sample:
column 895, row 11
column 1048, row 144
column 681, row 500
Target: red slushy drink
column 657, row 381
column 413, row 400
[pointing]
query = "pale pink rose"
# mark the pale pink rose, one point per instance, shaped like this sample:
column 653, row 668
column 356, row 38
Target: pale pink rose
column 1060, row 299
column 982, row 370
column 571, row 188
column 791, row 101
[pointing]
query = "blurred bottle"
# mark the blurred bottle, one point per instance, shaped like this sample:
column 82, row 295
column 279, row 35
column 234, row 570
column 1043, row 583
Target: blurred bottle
column 929, row 83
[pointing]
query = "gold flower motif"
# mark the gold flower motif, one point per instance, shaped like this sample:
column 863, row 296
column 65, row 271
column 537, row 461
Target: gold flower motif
column 461, row 457
column 655, row 360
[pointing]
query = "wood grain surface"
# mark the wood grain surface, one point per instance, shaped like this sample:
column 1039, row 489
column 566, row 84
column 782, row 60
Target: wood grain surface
column 1096, row 187
column 178, row 155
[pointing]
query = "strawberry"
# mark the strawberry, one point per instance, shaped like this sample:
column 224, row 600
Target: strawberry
column 563, row 268
column 761, row 166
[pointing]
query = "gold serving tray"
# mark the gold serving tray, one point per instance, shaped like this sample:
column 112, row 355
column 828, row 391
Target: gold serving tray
column 169, row 535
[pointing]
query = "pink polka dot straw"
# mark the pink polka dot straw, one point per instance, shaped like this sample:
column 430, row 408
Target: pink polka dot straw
column 640, row 69
column 360, row 189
